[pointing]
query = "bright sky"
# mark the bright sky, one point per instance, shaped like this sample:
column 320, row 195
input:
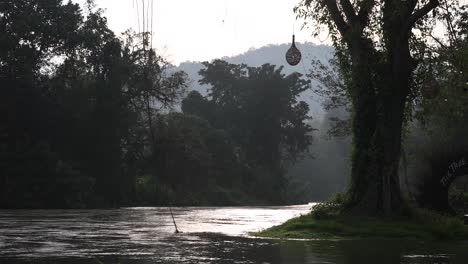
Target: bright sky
column 199, row 30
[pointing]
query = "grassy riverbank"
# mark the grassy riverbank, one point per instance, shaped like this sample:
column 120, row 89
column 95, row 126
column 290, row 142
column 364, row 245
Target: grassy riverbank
column 420, row 225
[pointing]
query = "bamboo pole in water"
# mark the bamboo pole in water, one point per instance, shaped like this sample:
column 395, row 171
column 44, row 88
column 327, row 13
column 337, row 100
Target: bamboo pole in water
column 173, row 220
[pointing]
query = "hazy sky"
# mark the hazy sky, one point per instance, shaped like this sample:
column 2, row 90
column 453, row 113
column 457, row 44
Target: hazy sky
column 194, row 29
column 199, row 30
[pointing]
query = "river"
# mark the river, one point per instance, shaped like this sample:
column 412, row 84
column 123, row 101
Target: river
column 209, row 235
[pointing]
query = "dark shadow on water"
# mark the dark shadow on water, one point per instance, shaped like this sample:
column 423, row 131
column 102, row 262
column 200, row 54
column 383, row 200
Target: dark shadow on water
column 215, row 248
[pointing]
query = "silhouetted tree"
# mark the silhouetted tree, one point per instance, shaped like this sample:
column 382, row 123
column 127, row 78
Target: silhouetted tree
column 74, row 130
column 378, row 53
column 258, row 107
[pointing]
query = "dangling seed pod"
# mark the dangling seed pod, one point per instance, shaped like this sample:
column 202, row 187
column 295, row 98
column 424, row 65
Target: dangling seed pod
column 430, row 87
column 293, row 56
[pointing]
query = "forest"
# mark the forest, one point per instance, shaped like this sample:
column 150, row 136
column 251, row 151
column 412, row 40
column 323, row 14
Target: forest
column 178, row 131
column 90, row 122
column 92, row 118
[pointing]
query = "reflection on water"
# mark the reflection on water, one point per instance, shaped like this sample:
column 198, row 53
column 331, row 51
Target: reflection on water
column 210, row 235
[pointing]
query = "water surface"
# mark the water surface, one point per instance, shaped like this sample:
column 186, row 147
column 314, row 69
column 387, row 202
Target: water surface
column 210, row 235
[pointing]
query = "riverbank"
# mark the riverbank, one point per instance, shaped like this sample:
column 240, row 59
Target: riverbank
column 422, row 225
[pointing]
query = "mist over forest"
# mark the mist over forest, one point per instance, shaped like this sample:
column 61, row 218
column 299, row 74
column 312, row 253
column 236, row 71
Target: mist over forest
column 324, row 171
column 272, row 54
column 353, row 152
column 104, row 120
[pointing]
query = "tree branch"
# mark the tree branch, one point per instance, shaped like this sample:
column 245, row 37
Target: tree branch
column 365, row 8
column 437, row 40
column 336, row 16
column 349, row 11
column 420, row 13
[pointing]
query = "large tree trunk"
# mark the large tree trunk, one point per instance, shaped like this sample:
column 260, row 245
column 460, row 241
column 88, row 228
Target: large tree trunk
column 377, row 124
column 375, row 186
column 381, row 76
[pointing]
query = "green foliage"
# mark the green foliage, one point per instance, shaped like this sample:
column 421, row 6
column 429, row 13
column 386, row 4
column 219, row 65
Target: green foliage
column 422, row 225
column 443, row 116
column 447, row 111
column 205, row 153
column 36, row 178
column 71, row 85
column 441, row 226
column 257, row 107
column 458, row 199
column 385, row 51
column 98, row 103
column 331, row 208
column 32, row 33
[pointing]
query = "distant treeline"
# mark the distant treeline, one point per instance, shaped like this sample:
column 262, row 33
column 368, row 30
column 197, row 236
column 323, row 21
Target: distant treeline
column 86, row 120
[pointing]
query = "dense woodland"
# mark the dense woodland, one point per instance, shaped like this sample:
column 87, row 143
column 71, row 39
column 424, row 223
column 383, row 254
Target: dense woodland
column 95, row 119
column 89, row 123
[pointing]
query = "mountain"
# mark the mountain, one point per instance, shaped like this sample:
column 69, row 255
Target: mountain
column 273, row 54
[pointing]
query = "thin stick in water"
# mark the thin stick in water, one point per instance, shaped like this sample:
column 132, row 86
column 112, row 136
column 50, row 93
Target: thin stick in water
column 173, row 220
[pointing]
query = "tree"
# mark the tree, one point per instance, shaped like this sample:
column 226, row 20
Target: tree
column 31, row 34
column 259, row 109
column 194, row 159
column 377, row 50
column 72, row 96
column 442, row 112
column 197, row 105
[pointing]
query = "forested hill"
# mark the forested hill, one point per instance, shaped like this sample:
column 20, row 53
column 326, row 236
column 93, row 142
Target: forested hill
column 275, row 55
column 322, row 174
column 87, row 125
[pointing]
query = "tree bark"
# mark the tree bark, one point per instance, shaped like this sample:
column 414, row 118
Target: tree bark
column 379, row 90
column 377, row 126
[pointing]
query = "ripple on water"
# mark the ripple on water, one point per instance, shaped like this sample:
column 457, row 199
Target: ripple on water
column 423, row 259
column 210, row 235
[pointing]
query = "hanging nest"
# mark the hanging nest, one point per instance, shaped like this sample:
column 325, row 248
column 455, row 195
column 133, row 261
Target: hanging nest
column 430, row 87
column 293, row 56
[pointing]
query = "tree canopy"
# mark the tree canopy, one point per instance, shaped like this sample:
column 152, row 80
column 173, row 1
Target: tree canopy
column 380, row 47
column 90, row 119
column 74, row 106
column 259, row 109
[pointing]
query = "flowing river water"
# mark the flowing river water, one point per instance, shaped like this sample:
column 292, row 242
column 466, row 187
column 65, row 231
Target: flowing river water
column 210, row 235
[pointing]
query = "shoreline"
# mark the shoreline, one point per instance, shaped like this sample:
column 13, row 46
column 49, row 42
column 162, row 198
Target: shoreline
column 424, row 225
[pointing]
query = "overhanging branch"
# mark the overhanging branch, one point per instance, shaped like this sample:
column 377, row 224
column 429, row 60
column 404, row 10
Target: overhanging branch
column 365, row 8
column 349, row 11
column 420, row 13
column 336, row 16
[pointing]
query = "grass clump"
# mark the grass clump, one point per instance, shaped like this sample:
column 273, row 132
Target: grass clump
column 329, row 220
